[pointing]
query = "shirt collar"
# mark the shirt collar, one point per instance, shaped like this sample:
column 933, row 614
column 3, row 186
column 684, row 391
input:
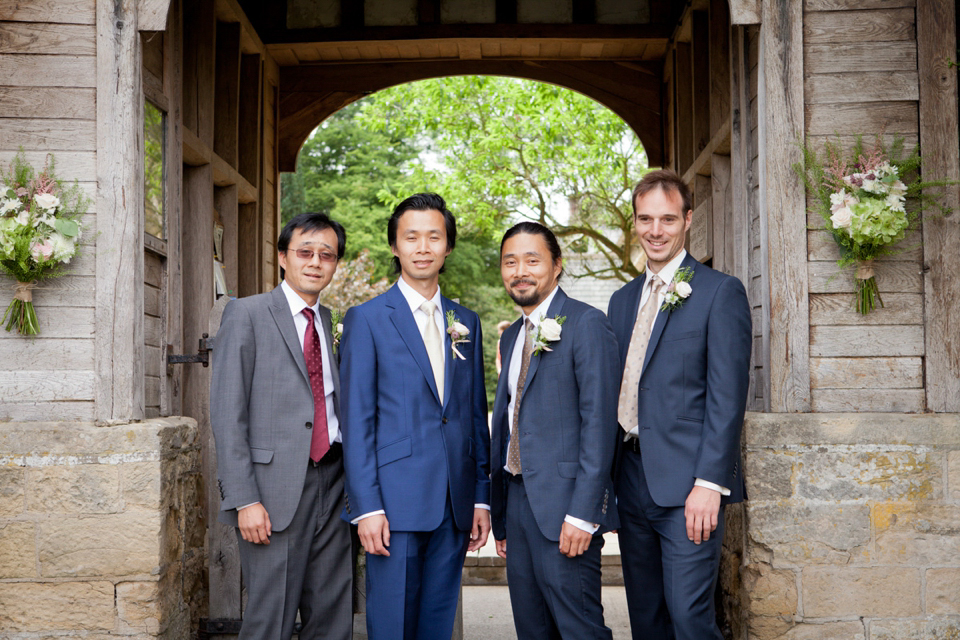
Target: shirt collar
column 298, row 304
column 414, row 298
column 542, row 308
column 670, row 269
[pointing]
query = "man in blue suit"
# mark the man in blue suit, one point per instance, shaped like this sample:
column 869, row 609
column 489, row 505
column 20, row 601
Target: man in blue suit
column 554, row 434
column 684, row 335
column 415, row 437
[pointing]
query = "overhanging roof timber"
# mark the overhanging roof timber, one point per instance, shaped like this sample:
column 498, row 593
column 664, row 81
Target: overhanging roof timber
column 311, row 93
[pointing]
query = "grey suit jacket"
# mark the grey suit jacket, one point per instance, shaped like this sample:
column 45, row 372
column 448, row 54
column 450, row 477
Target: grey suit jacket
column 261, row 407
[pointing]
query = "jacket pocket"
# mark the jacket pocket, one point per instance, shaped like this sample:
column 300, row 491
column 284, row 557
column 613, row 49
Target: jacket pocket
column 682, row 336
column 686, row 419
column 394, row 451
column 568, row 469
column 261, row 456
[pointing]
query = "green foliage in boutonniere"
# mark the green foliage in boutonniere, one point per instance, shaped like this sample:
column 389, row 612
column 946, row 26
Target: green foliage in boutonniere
column 679, row 289
column 547, row 331
column 336, row 321
column 458, row 333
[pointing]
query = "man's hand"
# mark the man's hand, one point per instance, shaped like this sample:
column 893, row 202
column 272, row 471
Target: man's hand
column 481, row 528
column 701, row 509
column 254, row 524
column 502, row 548
column 573, row 541
column 374, row 532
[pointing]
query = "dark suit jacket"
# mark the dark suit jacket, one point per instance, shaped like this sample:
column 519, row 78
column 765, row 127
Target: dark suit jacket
column 404, row 449
column 693, row 388
column 260, row 406
column 567, row 423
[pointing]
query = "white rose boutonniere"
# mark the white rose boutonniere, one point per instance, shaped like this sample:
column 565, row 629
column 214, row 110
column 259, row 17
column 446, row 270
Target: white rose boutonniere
column 457, row 333
column 547, row 331
column 679, row 289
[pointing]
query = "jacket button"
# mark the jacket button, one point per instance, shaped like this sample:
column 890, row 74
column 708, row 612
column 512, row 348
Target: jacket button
column 309, row 425
column 444, row 420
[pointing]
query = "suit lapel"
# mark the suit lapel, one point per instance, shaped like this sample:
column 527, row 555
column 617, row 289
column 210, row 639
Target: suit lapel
column 501, row 401
column 280, row 309
column 632, row 308
column 402, row 319
column 449, row 356
column 663, row 317
column 553, row 310
column 327, row 324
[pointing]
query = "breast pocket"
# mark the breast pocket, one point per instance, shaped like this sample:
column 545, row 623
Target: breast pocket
column 686, row 335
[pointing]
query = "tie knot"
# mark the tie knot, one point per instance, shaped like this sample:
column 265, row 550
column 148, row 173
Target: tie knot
column 428, row 308
column 307, row 311
column 529, row 325
column 655, row 282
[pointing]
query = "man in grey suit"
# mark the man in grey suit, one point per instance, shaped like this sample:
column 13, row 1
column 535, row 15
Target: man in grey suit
column 275, row 413
column 554, row 434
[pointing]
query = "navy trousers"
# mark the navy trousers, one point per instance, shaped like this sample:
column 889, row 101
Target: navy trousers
column 670, row 581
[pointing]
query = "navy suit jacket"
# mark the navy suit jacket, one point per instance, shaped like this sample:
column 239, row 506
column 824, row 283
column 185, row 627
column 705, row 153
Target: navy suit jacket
column 567, row 423
column 693, row 388
column 405, row 448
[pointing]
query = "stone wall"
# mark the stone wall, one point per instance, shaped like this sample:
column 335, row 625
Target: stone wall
column 101, row 530
column 852, row 527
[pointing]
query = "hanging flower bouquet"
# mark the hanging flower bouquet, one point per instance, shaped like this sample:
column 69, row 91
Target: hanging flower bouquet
column 39, row 233
column 862, row 198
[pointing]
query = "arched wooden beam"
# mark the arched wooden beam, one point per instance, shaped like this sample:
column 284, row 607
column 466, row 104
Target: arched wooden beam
column 310, row 94
column 152, row 14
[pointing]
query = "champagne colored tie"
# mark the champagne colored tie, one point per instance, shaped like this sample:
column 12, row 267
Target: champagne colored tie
column 629, row 405
column 320, row 441
column 513, row 449
column 434, row 344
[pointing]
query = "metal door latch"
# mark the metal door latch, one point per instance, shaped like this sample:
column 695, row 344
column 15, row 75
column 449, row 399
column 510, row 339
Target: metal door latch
column 202, row 356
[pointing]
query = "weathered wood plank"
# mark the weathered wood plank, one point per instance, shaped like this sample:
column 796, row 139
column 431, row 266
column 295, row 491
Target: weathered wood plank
column 60, row 11
column 893, row 277
column 46, row 411
column 847, row 5
column 684, row 107
column 45, row 352
column 46, row 386
column 153, row 362
column 700, row 50
column 701, row 231
column 838, row 308
column 719, row 64
column 153, row 331
column 248, row 144
column 879, row 86
column 60, row 322
column 47, row 38
column 744, row 12
column 227, row 88
column 48, row 134
column 866, row 373
column 35, row 102
column 66, row 291
column 879, row 400
column 860, row 57
column 152, row 14
column 724, row 232
column 937, row 45
column 152, row 301
column 865, row 26
column 28, row 70
column 71, row 165
column 829, row 119
column 821, row 247
column 151, row 394
column 863, row 341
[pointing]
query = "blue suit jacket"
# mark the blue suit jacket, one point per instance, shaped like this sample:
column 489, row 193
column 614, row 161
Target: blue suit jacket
column 693, row 388
column 404, row 449
column 567, row 423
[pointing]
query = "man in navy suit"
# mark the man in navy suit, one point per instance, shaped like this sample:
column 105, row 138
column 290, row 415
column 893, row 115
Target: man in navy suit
column 415, row 436
column 554, row 434
column 684, row 335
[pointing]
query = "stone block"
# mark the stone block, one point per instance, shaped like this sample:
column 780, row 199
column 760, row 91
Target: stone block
column 108, row 545
column 769, row 475
column 832, row 592
column 852, row 473
column 827, row 631
column 917, row 534
column 953, row 475
column 771, row 430
column 26, row 606
column 943, row 628
column 12, row 493
column 138, row 608
column 140, row 484
column 898, row 630
column 18, row 552
column 943, row 591
column 793, row 535
column 768, row 628
column 768, row 591
column 82, row 488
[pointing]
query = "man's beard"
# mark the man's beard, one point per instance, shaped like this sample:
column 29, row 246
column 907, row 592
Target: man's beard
column 524, row 300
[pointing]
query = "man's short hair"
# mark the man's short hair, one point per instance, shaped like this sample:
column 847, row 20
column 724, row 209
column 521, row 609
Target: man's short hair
column 308, row 223
column 667, row 180
column 535, row 228
column 421, row 202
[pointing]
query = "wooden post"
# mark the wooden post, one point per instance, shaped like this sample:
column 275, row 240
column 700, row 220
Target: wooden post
column 227, row 92
column 936, row 45
column 119, row 280
column 783, row 205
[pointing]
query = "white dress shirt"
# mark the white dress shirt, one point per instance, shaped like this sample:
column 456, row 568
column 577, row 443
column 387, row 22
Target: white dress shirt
column 666, row 274
column 513, row 378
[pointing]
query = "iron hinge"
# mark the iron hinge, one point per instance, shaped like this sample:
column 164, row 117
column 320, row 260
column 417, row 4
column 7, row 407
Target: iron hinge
column 202, row 355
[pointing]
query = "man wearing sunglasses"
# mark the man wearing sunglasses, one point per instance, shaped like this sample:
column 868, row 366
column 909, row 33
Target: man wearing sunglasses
column 274, row 407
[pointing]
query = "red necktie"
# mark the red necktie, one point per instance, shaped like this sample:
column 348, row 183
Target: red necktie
column 320, row 443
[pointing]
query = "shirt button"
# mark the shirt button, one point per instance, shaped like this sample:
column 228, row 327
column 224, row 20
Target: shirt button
column 309, row 425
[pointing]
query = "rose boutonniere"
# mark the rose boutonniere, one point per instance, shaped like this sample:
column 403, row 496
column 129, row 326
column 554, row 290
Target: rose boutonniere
column 336, row 321
column 547, row 331
column 679, row 289
column 457, row 333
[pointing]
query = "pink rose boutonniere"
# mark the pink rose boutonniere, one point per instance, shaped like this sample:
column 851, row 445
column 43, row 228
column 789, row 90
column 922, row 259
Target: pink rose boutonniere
column 458, row 333
column 679, row 289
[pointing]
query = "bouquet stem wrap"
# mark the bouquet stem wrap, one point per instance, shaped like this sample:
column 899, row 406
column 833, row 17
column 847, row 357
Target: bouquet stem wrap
column 868, row 295
column 20, row 314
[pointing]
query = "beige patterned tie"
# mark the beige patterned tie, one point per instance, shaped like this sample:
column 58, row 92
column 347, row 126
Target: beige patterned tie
column 628, row 406
column 513, row 449
column 434, row 344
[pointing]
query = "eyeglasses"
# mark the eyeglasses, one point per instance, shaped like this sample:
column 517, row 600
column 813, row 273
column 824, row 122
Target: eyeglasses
column 307, row 255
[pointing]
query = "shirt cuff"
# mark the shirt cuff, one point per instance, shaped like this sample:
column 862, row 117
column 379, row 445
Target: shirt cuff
column 583, row 525
column 480, row 505
column 709, row 485
column 379, row 512
column 247, row 505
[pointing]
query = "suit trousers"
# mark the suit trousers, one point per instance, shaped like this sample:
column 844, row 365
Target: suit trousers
column 416, row 588
column 553, row 596
column 307, row 567
column 670, row 581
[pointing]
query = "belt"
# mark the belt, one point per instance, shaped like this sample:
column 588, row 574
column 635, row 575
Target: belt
column 334, row 453
column 517, row 479
column 632, row 443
